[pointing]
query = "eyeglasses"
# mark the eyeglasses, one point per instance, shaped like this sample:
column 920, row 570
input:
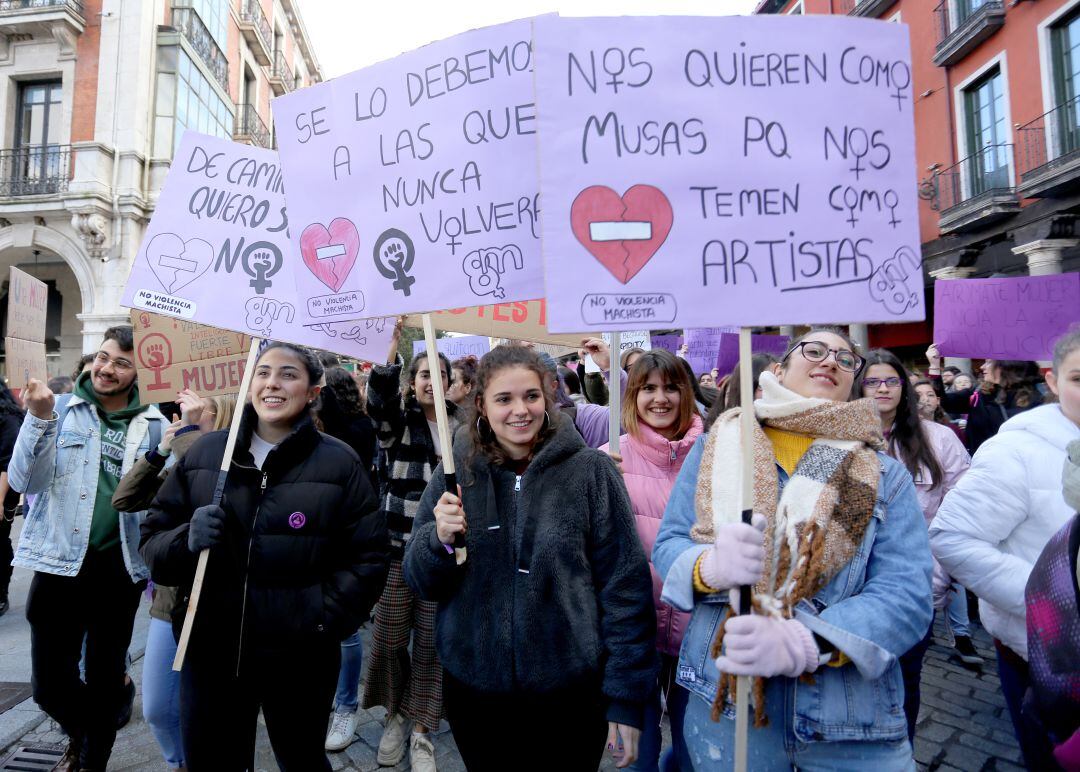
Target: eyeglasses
column 814, row 351
column 873, row 383
column 120, row 365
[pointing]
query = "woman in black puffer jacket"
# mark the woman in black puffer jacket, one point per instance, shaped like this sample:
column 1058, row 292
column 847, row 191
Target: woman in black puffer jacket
column 298, row 556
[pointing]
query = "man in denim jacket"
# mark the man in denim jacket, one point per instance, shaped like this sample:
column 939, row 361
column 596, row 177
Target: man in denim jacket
column 85, row 555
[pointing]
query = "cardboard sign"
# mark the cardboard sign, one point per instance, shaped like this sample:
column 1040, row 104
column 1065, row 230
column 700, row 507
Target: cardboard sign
column 520, row 320
column 175, row 354
column 776, row 345
column 215, row 252
column 456, row 348
column 24, row 344
column 1012, row 318
column 415, row 182
column 703, row 347
column 738, row 170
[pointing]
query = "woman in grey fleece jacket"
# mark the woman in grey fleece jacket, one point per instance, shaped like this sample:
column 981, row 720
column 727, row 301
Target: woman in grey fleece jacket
column 549, row 625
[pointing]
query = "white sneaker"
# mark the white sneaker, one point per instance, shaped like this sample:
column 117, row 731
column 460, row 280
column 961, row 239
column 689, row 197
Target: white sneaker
column 342, row 732
column 394, row 741
column 421, row 754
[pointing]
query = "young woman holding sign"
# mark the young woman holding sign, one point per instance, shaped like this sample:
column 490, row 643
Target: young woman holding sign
column 549, row 626
column 662, row 424
column 407, row 682
column 298, row 557
column 840, row 565
column 990, row 529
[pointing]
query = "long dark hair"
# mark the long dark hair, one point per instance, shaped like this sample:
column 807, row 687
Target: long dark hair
column 414, row 368
column 8, row 404
column 1017, row 378
column 907, row 441
column 482, row 440
column 338, row 403
column 311, row 364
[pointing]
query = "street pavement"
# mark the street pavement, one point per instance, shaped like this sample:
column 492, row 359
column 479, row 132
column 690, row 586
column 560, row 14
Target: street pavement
column 963, row 724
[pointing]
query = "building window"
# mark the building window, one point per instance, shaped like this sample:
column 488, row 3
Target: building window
column 186, row 100
column 964, row 9
column 38, row 130
column 797, row 9
column 987, row 135
column 1065, row 50
column 215, row 15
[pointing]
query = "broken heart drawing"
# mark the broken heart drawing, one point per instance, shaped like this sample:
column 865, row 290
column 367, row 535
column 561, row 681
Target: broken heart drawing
column 175, row 262
column 621, row 232
column 329, row 253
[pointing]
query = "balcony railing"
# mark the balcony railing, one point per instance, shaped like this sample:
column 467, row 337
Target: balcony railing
column 35, row 170
column 960, row 27
column 256, row 30
column 186, row 20
column 1050, row 150
column 869, row 8
column 977, row 189
column 16, row 6
column 250, row 127
column 281, row 74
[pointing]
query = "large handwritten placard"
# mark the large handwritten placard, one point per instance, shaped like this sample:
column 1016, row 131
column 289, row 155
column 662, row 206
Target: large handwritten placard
column 24, row 343
column 744, row 171
column 216, row 249
column 1011, row 318
column 759, row 344
column 703, row 347
column 414, row 182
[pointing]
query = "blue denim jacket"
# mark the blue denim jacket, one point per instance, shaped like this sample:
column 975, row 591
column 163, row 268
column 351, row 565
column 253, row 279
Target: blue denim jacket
column 874, row 610
column 62, row 471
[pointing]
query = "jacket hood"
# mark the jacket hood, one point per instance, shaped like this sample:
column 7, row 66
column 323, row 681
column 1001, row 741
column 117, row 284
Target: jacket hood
column 565, row 442
column 1046, row 422
column 661, row 451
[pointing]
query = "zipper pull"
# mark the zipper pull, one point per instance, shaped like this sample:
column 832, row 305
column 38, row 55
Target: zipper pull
column 517, row 482
column 672, row 452
column 262, row 485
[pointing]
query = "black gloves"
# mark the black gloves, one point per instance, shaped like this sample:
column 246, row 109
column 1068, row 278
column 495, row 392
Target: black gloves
column 206, row 528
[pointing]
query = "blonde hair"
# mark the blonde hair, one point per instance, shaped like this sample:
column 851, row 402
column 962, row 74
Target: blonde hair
column 223, row 406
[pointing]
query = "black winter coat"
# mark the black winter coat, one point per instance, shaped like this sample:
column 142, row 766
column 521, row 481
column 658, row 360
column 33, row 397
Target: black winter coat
column 985, row 414
column 556, row 590
column 304, row 557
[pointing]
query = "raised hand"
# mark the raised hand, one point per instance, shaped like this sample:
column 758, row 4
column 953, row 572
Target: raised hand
column 39, row 400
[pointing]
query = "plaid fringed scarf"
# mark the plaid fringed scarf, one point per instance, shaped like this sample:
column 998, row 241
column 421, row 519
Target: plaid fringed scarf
column 817, row 524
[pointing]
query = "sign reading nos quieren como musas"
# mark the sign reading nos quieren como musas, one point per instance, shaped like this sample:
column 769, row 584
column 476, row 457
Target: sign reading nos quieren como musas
column 413, row 182
column 216, row 252
column 736, row 170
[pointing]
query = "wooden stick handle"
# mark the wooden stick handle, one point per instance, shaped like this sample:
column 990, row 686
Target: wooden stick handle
column 219, row 490
column 441, row 418
column 614, row 395
column 746, row 433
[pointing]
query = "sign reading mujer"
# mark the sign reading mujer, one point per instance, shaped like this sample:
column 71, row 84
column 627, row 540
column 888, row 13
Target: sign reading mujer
column 413, row 183
column 736, row 170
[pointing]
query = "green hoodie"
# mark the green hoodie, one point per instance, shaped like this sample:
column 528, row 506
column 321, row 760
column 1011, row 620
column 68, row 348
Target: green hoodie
column 105, row 526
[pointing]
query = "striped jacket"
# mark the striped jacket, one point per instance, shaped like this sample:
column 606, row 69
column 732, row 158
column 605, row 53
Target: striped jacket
column 406, row 444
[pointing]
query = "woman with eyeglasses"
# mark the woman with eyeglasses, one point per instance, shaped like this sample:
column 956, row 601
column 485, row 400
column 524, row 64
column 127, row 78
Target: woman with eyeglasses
column 839, row 563
column 936, row 460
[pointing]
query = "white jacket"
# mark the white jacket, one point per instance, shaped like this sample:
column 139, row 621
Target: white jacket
column 992, row 526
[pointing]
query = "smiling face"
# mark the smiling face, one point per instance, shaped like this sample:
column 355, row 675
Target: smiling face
column 817, row 379
column 280, row 388
column 513, row 404
column 658, row 405
column 112, row 371
column 886, row 397
column 1066, row 384
column 422, row 384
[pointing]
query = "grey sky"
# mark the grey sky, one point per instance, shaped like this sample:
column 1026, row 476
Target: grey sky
column 350, row 34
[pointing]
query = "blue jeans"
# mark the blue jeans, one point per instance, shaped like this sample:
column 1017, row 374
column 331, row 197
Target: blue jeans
column 347, row 698
column 774, row 747
column 1015, row 681
column 161, row 692
column 957, row 611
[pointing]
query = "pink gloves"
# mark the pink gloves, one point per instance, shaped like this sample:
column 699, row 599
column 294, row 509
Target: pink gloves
column 767, row 646
column 941, row 584
column 736, row 557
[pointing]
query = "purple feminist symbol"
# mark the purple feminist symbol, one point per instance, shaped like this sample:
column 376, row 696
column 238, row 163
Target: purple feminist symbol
column 297, row 520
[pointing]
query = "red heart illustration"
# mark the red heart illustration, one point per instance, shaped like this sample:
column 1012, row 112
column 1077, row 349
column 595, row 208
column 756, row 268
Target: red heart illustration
column 329, row 253
column 599, row 215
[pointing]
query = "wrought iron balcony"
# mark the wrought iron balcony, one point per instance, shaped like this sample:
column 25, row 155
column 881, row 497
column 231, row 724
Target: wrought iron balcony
column 17, row 6
column 1049, row 148
column 249, row 127
column 869, row 8
column 281, row 74
column 960, row 28
column 34, row 170
column 977, row 190
column 187, row 22
column 256, row 31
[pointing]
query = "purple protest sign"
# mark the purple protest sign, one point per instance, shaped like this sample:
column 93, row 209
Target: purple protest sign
column 414, row 182
column 1017, row 317
column 759, row 344
column 703, row 347
column 667, row 342
column 215, row 252
column 457, row 346
column 687, row 184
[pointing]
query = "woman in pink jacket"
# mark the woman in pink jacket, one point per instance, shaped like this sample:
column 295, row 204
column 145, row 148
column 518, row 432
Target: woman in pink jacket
column 661, row 422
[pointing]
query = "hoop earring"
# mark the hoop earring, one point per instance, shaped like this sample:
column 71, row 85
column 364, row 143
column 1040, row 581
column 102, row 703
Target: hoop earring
column 479, row 428
column 547, row 421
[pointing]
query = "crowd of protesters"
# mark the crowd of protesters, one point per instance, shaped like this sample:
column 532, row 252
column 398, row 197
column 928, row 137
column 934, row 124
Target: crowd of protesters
column 599, row 590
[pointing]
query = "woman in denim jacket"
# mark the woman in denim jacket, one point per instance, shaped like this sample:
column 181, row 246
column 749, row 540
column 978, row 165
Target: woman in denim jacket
column 840, row 563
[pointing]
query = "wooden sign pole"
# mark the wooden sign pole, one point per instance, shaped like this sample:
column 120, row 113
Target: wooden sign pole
column 219, row 489
column 614, row 395
column 449, row 472
column 746, row 433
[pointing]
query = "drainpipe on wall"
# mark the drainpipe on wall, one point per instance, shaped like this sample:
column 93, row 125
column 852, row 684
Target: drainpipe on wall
column 116, row 150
